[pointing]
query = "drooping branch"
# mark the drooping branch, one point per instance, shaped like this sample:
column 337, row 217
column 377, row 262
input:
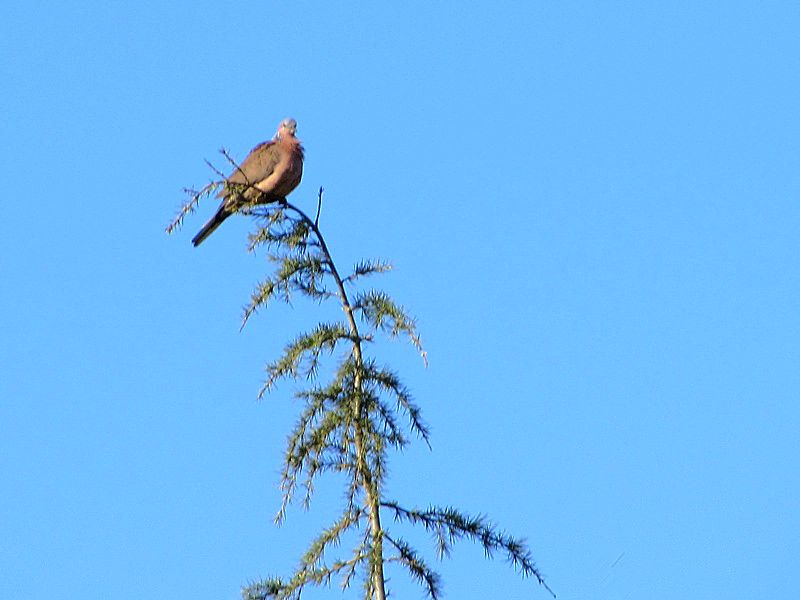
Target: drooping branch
column 449, row 525
column 418, row 568
column 191, row 205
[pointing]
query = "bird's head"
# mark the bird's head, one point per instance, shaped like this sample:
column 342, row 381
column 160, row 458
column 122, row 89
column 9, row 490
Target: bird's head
column 287, row 128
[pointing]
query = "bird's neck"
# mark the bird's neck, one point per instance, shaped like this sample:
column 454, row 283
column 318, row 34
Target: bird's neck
column 290, row 143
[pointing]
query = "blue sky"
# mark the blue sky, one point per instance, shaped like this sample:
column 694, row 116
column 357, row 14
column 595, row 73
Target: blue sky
column 593, row 213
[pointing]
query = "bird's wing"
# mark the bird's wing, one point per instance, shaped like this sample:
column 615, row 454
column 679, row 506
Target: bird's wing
column 258, row 165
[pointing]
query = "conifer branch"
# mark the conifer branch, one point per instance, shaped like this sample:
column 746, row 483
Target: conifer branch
column 317, row 441
column 368, row 482
column 448, row 525
column 291, row 590
column 378, row 309
column 190, row 205
column 331, row 537
column 389, row 382
column 302, row 356
column 349, row 424
column 367, row 267
column 419, row 570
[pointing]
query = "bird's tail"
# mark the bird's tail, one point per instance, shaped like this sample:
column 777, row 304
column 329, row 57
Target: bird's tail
column 209, row 227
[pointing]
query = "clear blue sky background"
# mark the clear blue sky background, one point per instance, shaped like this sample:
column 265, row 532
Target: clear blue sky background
column 593, row 212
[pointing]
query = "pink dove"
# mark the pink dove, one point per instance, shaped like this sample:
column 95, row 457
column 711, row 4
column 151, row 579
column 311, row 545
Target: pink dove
column 275, row 168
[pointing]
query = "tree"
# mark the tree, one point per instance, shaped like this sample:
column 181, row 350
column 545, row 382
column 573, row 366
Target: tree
column 349, row 423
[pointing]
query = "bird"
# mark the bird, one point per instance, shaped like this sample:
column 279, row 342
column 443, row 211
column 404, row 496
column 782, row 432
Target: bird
column 273, row 169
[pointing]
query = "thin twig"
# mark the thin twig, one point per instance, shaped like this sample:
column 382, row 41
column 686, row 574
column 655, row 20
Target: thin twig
column 235, row 165
column 319, row 206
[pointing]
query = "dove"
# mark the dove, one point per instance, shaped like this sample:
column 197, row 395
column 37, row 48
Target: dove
column 273, row 168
